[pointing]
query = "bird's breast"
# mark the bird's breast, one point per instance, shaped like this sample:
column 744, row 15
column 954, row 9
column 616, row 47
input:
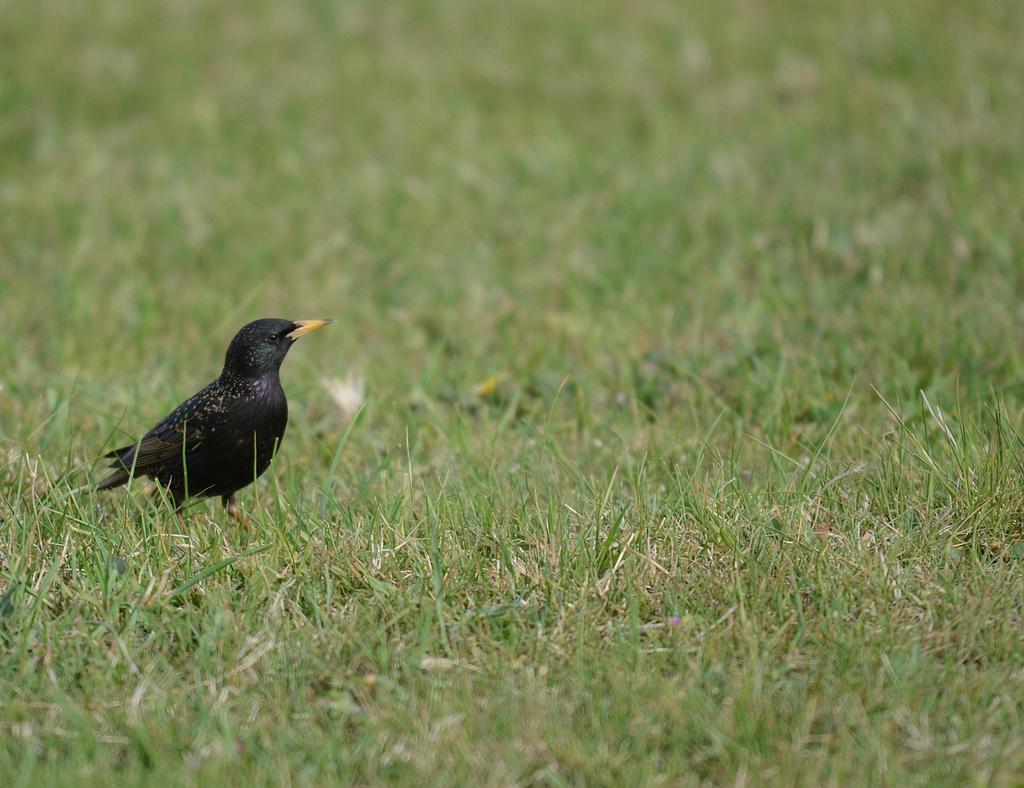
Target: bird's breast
column 258, row 423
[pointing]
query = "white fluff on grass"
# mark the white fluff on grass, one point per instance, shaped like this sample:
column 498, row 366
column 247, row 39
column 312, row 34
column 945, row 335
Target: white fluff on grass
column 348, row 393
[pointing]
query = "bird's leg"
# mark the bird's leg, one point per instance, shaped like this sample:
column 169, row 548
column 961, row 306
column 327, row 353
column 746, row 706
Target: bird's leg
column 236, row 514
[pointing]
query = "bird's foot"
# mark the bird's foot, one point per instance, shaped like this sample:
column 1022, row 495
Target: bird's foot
column 236, row 513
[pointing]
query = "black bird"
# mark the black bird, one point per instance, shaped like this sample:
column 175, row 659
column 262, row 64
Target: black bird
column 221, row 439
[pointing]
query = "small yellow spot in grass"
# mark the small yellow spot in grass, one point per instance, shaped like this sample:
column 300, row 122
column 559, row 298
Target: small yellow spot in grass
column 486, row 388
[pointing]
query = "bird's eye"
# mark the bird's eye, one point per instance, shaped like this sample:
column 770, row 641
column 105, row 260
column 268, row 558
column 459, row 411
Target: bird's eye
column 274, row 339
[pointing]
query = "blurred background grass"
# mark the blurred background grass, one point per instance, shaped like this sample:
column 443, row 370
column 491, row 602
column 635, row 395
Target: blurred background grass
column 833, row 181
column 669, row 231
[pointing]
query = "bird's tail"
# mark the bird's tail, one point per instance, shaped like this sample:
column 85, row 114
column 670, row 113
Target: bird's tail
column 120, row 474
column 115, row 479
column 119, row 454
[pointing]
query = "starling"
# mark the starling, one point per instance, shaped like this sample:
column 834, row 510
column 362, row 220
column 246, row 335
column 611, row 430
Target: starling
column 223, row 438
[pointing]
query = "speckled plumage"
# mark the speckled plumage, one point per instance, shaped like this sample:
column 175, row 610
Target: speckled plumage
column 224, row 437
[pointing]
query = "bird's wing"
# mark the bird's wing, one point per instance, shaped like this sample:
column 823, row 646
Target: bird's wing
column 162, row 443
column 170, row 438
column 151, row 450
column 140, row 458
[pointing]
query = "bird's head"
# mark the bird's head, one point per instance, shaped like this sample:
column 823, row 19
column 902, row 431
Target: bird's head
column 259, row 347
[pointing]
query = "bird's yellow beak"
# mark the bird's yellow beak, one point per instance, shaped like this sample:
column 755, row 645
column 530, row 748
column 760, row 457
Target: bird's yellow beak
column 306, row 327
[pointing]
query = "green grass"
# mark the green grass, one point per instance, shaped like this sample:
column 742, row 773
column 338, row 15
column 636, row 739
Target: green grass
column 747, row 502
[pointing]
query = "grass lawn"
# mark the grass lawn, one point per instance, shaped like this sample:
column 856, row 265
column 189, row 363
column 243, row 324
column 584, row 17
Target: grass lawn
column 692, row 448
